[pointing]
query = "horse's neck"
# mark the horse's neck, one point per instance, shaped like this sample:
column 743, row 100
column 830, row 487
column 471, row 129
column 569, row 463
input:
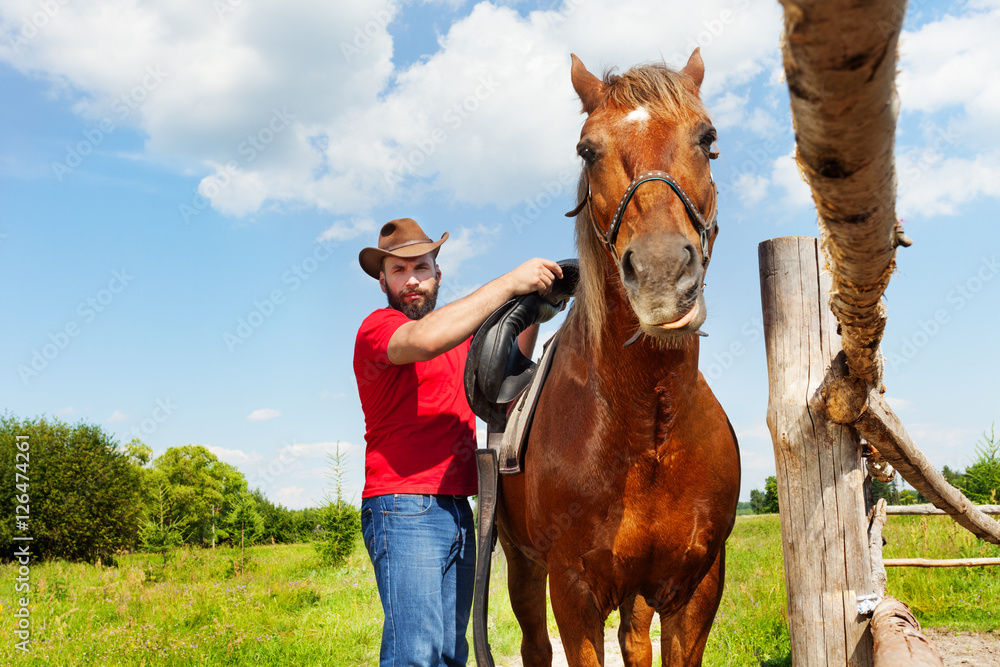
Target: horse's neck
column 646, row 365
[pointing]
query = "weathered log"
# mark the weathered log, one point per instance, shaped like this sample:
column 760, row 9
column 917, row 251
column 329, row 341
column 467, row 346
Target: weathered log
column 820, row 470
column 840, row 64
column 921, row 510
column 875, row 421
column 879, row 578
column 941, row 562
column 898, row 639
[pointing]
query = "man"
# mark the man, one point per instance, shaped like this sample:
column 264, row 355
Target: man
column 420, row 434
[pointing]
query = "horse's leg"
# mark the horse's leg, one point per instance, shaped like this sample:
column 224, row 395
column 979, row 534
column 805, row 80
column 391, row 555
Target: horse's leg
column 683, row 635
column 581, row 624
column 633, row 632
column 526, row 588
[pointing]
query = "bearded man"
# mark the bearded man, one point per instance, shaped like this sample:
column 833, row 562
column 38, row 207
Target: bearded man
column 420, row 435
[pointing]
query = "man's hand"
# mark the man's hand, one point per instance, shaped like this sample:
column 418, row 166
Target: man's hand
column 444, row 328
column 535, row 275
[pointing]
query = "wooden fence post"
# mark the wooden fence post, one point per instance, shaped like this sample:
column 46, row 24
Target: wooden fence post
column 820, row 470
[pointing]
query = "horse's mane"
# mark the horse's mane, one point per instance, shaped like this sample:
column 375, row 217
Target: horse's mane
column 663, row 92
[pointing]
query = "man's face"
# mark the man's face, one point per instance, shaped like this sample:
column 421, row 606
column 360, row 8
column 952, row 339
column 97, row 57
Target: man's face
column 411, row 285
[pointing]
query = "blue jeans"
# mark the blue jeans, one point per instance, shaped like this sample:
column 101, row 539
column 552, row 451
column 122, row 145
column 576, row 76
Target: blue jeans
column 423, row 548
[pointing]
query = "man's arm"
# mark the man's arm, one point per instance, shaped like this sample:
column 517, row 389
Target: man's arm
column 444, row 328
column 526, row 340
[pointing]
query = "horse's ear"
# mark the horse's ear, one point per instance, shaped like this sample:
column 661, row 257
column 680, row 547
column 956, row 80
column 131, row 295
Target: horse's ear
column 587, row 86
column 695, row 68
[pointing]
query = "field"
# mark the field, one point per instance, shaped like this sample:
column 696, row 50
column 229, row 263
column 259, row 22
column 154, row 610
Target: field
column 198, row 608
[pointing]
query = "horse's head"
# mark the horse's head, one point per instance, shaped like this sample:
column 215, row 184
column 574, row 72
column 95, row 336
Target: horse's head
column 648, row 201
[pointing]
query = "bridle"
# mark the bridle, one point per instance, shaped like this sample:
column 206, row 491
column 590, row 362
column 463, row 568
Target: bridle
column 609, row 237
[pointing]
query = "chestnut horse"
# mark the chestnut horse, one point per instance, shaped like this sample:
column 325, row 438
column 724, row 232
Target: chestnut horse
column 632, row 470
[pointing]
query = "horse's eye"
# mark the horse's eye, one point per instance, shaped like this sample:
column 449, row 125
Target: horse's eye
column 587, row 153
column 707, row 140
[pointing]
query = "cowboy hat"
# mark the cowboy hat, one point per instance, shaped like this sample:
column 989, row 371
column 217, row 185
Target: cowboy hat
column 401, row 238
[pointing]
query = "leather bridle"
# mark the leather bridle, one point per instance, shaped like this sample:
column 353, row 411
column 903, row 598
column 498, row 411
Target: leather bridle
column 698, row 221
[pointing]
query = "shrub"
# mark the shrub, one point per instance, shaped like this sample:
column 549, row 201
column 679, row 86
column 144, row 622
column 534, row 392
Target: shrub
column 85, row 494
column 342, row 524
column 340, row 519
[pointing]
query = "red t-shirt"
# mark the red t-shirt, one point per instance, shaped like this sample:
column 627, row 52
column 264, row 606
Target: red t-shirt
column 420, row 432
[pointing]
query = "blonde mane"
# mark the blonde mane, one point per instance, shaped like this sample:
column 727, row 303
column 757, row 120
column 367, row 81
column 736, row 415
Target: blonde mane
column 665, row 93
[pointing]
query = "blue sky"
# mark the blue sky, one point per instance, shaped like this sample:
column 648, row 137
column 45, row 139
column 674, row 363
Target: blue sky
column 185, row 187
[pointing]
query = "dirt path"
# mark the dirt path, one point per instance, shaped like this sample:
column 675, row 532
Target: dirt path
column 964, row 649
column 958, row 649
column 612, row 653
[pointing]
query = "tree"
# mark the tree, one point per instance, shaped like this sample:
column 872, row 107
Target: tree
column 82, row 494
column 771, row 495
column 981, row 483
column 157, row 533
column 245, row 522
column 278, row 521
column 341, row 520
column 757, row 502
column 955, row 478
column 201, row 489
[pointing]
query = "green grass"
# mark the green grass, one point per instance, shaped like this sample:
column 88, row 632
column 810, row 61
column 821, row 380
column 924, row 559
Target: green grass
column 284, row 609
column 199, row 608
column 963, row 598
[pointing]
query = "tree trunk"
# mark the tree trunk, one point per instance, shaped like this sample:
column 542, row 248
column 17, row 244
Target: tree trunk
column 840, row 64
column 820, row 470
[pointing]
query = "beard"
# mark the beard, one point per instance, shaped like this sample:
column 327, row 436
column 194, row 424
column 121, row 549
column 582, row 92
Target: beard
column 415, row 309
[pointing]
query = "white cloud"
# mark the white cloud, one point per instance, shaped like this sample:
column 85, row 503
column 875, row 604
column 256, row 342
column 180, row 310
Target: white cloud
column 942, row 65
column 343, row 230
column 71, row 411
column 236, row 457
column 263, row 414
column 728, row 110
column 292, row 497
column 316, row 450
column 897, row 403
column 762, row 123
column 117, row 416
column 786, row 176
column 943, row 445
column 463, row 244
column 751, row 188
column 326, row 393
column 942, row 186
column 302, row 102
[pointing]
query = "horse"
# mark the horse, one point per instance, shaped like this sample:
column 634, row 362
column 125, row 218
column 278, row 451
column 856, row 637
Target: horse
column 631, row 473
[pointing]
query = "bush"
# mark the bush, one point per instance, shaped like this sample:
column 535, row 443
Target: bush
column 342, row 525
column 85, row 495
column 340, row 519
column 981, row 482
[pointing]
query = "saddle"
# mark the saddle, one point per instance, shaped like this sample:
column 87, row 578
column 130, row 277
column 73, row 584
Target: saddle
column 496, row 374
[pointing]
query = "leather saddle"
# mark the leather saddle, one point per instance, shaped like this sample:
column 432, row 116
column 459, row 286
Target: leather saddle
column 496, row 372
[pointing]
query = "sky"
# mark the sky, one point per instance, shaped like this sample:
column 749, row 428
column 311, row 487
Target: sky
column 185, row 187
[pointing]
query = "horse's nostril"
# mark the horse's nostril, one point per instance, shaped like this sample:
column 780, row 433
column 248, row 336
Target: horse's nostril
column 628, row 267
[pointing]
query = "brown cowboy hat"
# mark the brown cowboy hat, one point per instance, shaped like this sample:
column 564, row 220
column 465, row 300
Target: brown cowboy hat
column 401, row 238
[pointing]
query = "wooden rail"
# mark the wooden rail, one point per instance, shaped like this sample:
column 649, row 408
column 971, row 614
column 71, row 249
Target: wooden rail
column 909, row 510
column 940, row 562
column 898, row 640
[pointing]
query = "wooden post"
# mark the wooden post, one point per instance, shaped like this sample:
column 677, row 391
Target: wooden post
column 820, row 470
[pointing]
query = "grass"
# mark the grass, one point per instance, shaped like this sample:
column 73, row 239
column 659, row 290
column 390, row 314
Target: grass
column 962, row 598
column 198, row 608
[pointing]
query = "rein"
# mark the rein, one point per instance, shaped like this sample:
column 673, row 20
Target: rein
column 609, row 237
